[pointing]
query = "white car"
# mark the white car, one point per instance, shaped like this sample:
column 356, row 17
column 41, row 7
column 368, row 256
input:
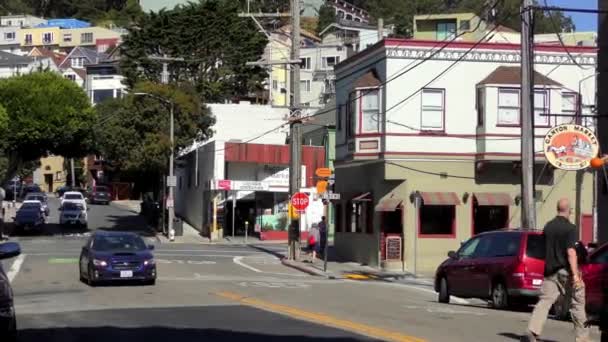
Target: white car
column 74, row 197
column 73, row 213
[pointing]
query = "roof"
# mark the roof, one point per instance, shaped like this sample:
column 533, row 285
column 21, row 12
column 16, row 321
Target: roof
column 304, row 33
column 342, row 24
column 66, row 23
column 512, row 75
column 91, row 55
column 325, row 119
column 9, row 59
column 501, row 28
column 43, row 52
column 368, row 80
column 440, row 16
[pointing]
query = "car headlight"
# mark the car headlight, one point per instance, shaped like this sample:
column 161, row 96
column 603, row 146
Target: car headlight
column 149, row 262
column 101, row 263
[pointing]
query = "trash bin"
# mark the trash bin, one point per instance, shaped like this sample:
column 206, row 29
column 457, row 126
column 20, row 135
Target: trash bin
column 178, row 227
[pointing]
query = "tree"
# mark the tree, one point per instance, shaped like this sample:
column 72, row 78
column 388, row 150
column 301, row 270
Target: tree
column 133, row 132
column 47, row 114
column 327, row 16
column 213, row 40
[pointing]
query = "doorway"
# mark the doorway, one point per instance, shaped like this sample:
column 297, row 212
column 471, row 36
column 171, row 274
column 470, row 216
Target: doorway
column 48, row 181
column 392, row 228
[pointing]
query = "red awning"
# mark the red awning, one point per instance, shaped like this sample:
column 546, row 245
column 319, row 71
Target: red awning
column 388, row 204
column 493, row 198
column 440, row 198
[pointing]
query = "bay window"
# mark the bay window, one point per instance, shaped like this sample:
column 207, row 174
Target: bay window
column 433, row 107
column 370, row 111
column 508, row 107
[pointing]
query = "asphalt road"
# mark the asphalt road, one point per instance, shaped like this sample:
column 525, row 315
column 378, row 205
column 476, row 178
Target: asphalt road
column 234, row 293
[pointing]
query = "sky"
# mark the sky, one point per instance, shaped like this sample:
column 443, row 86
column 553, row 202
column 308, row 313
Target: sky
column 583, row 21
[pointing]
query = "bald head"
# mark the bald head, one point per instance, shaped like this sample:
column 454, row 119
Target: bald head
column 563, row 207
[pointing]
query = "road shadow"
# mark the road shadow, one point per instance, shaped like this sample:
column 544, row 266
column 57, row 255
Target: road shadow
column 518, row 337
column 49, row 229
column 128, row 223
column 163, row 334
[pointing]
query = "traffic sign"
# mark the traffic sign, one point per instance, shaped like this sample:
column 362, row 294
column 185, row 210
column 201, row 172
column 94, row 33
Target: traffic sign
column 300, row 201
column 321, row 187
column 330, row 196
column 323, row 172
column 171, row 181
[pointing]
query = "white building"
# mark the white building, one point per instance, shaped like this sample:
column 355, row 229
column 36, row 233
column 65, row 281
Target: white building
column 21, row 20
column 353, row 36
column 104, row 81
column 454, row 141
column 12, row 65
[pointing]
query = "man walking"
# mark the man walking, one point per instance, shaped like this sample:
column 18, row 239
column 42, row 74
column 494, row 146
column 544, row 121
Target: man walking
column 561, row 275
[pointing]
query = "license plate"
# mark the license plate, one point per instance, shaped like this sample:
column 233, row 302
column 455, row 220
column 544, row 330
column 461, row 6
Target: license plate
column 537, row 281
column 126, row 274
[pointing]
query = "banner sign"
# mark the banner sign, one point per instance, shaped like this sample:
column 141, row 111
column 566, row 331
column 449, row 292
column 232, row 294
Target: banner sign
column 570, row 147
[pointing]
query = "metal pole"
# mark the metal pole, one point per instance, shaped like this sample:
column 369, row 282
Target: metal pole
column 416, row 219
column 73, row 174
column 246, row 230
column 172, row 176
column 233, row 211
column 528, row 217
column 380, row 29
column 296, row 126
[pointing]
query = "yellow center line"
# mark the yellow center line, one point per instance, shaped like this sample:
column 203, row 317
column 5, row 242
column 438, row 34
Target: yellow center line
column 320, row 318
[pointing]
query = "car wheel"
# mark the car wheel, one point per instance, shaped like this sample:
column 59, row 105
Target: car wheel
column 561, row 309
column 444, row 292
column 90, row 276
column 500, row 297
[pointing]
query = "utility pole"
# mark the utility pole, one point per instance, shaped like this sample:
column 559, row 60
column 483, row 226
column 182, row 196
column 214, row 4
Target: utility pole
column 528, row 207
column 171, row 182
column 73, row 173
column 295, row 140
column 601, row 122
column 380, row 29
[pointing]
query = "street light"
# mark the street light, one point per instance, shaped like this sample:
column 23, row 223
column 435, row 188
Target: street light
column 171, row 182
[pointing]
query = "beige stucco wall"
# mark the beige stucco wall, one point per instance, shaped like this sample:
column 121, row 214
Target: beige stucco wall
column 401, row 178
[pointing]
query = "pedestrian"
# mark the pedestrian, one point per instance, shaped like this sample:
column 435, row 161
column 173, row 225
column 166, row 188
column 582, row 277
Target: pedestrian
column 561, row 275
column 323, row 236
column 313, row 242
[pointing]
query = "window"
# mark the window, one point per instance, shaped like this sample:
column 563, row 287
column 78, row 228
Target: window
column 541, row 108
column 437, row 219
column 28, row 39
column 465, row 25
column 498, row 245
column 9, row 35
column 535, row 247
column 47, row 37
column 446, row 31
column 359, row 217
column 468, row 249
column 351, row 115
column 305, row 86
column 338, row 218
column 67, row 37
column 330, row 62
column 306, row 63
column 77, row 62
column 431, row 117
column 480, row 100
column 86, row 37
column 508, row 107
column 71, row 77
column 101, row 95
column 58, row 175
column 275, row 84
column 569, row 106
column 370, row 111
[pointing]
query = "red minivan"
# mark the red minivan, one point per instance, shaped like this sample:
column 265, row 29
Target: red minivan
column 595, row 277
column 503, row 266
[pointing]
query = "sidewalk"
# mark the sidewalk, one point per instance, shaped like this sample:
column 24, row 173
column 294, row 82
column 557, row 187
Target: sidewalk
column 133, row 206
column 353, row 271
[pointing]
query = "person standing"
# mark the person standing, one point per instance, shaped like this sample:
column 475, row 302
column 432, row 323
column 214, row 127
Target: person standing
column 561, row 275
column 313, row 242
column 323, row 236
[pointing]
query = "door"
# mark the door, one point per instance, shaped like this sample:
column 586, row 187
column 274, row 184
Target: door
column 48, row 180
column 495, row 253
column 586, row 228
column 595, row 276
column 459, row 271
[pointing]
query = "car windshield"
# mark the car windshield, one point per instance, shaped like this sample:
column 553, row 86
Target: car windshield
column 73, row 196
column 101, row 189
column 72, row 206
column 119, row 242
column 535, row 247
column 30, row 206
column 35, row 198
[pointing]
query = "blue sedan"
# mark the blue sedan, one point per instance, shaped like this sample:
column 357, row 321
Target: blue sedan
column 117, row 256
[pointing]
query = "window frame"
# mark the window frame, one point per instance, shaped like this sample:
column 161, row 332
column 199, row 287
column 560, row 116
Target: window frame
column 451, row 235
column 306, row 63
column 86, row 34
column 546, row 107
column 448, row 35
column 362, row 212
column 48, row 41
column 306, row 86
column 67, row 37
column 518, row 108
column 29, row 38
column 575, row 113
column 361, row 112
column 325, row 63
column 10, row 36
column 422, row 109
column 351, row 113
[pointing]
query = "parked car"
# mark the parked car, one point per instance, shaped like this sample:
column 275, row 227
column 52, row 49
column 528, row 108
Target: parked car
column 75, row 197
column 30, row 216
column 503, row 266
column 100, row 194
column 62, row 190
column 42, row 198
column 8, row 320
column 73, row 214
column 30, row 188
column 115, row 256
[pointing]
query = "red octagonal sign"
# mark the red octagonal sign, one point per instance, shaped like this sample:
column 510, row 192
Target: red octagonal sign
column 299, row 201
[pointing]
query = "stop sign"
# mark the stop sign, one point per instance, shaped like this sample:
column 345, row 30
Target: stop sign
column 299, row 201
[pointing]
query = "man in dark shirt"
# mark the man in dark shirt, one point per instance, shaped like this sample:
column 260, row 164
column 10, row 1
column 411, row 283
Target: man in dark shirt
column 561, row 275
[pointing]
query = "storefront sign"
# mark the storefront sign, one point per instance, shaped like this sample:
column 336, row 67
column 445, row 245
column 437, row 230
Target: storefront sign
column 570, row 147
column 233, row 185
column 393, row 248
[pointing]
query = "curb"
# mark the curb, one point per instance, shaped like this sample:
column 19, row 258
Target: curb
column 307, row 270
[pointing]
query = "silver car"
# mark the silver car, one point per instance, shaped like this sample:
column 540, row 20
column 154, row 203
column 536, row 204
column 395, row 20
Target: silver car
column 73, row 214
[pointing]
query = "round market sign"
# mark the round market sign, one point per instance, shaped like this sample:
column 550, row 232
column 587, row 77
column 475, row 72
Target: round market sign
column 570, row 147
